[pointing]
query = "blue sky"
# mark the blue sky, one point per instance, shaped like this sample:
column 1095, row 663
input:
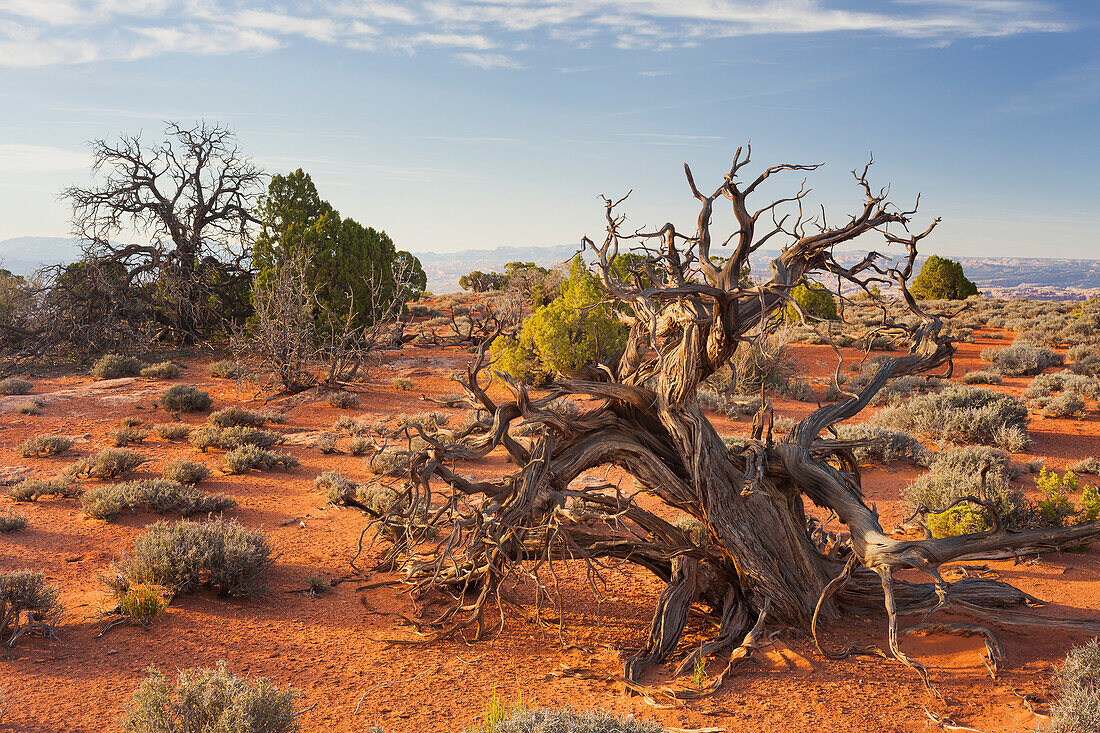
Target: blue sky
column 466, row 124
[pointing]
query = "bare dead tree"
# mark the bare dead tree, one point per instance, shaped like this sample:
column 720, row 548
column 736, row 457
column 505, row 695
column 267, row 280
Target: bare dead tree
column 189, row 198
column 759, row 558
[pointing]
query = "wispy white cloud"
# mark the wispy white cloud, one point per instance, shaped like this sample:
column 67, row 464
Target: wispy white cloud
column 19, row 158
column 46, row 32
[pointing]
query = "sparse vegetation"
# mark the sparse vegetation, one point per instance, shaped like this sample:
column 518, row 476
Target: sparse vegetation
column 1086, row 465
column 122, row 437
column 184, row 556
column 184, row 398
column 1021, row 359
column 159, row 495
column 981, row 377
column 209, row 701
column 402, row 383
column 15, row 386
column 28, row 407
column 955, row 474
column 45, row 445
column 113, row 366
column 141, row 603
column 567, row 721
column 27, row 606
column 106, row 464
column 881, row 445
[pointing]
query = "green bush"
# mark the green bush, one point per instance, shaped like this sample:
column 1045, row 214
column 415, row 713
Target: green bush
column 162, row 370
column 1076, row 706
column 185, row 556
column 141, row 603
column 942, row 279
column 960, row 414
column 184, row 398
column 573, row 330
column 249, row 457
column 814, row 300
column 109, row 463
column 14, row 386
column 27, row 605
column 160, row 495
column 185, row 471
column 45, row 445
column 1056, row 506
column 112, row 366
column 209, row 701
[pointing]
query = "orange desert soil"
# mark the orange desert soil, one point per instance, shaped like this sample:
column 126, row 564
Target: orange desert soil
column 337, row 649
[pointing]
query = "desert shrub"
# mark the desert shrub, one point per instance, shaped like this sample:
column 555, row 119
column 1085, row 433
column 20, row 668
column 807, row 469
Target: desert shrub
column 162, row 370
column 882, row 445
column 28, row 407
column 1086, row 465
column 1021, row 359
column 359, row 446
column 343, row 400
column 210, row 436
column 130, row 422
column 209, row 701
column 402, row 383
column 45, row 445
column 351, row 426
column 575, row 329
column 112, row 366
column 184, row 398
column 1067, row 404
column 236, row 417
column 566, row 721
column 334, row 486
column 325, row 443
column 250, row 457
column 27, row 605
column 814, row 301
column 1076, row 705
column 32, row 489
column 160, row 495
column 172, row 430
column 981, row 377
column 941, row 278
column 955, row 474
column 1057, row 506
column 387, row 463
column 377, row 497
column 12, row 522
column 431, row 422
column 959, row 414
column 109, row 463
column 224, row 369
column 185, row 471
column 184, row 556
column 14, row 386
column 1011, row 438
column 142, row 602
column 122, row 437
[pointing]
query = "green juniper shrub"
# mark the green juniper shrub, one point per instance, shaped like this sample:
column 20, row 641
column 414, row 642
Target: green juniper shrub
column 45, row 445
column 184, row 398
column 159, row 495
column 162, row 370
column 27, row 605
column 185, row 556
column 185, row 471
column 106, row 464
column 32, row 489
column 15, row 386
column 12, row 522
column 252, row 458
column 814, row 302
column 210, row 701
column 112, row 366
column 172, row 430
column 1076, row 705
column 940, row 278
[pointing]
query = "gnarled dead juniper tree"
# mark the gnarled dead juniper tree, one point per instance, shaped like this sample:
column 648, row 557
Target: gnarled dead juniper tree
column 763, row 560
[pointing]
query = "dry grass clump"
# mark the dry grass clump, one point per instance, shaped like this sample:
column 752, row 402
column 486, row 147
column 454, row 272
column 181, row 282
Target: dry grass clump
column 229, row 417
column 1086, row 465
column 33, row 489
column 1066, row 404
column 108, row 463
column 27, row 605
column 142, row 602
column 402, row 383
column 162, row 370
column 1021, row 359
column 251, row 458
column 185, row 471
column 343, row 400
column 210, row 436
column 184, row 398
column 159, row 495
column 14, row 386
column 122, row 437
column 388, row 463
column 981, row 377
column 224, row 369
column 113, row 366
column 11, row 522
column 359, row 446
column 326, row 443
column 879, row 445
column 1076, row 707
column 184, row 556
column 172, row 430
column 209, row 701
column 28, row 407
column 376, row 497
column 962, row 414
column 351, row 426
column 499, row 720
column 45, row 445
